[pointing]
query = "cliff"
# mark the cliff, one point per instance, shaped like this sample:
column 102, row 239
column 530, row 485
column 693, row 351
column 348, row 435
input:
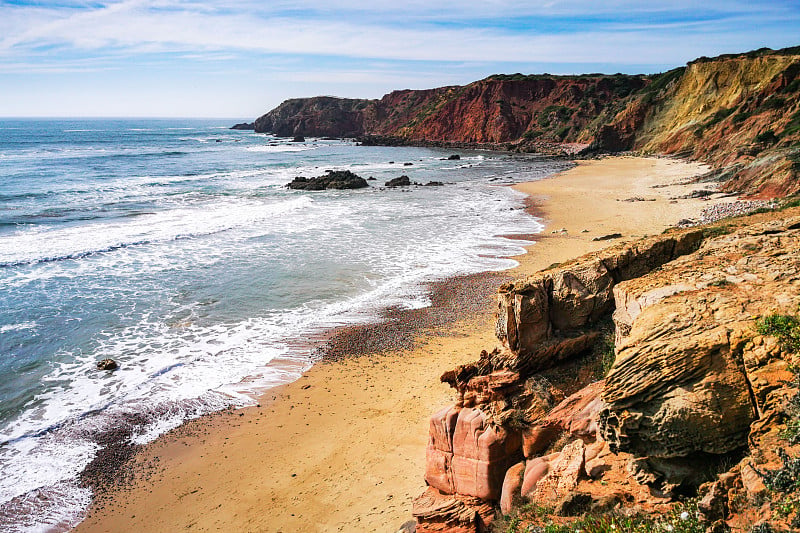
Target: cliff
column 655, row 380
column 740, row 113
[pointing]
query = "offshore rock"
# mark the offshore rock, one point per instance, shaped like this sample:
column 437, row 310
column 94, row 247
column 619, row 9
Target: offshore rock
column 244, row 126
column 107, row 364
column 402, row 181
column 333, row 179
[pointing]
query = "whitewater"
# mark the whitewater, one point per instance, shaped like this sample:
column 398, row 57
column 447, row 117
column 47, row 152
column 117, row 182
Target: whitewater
column 174, row 248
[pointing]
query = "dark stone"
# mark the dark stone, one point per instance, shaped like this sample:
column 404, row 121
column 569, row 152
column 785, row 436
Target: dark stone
column 573, row 504
column 608, row 237
column 298, row 139
column 454, row 157
column 244, row 126
column 402, row 181
column 107, row 364
column 333, row 179
column 371, row 179
column 407, row 164
column 434, row 184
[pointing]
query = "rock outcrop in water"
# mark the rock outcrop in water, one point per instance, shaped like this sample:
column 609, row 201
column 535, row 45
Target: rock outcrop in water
column 740, row 113
column 332, row 179
column 697, row 401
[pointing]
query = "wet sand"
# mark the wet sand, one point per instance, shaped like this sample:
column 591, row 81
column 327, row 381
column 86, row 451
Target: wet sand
column 343, row 448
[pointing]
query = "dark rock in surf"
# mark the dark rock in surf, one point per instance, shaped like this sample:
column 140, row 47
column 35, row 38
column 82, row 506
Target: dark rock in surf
column 244, row 126
column 402, row 181
column 107, row 364
column 332, row 179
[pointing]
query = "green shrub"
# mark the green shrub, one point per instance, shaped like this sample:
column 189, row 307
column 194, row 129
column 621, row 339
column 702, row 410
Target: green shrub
column 716, row 231
column 683, row 518
column 786, row 328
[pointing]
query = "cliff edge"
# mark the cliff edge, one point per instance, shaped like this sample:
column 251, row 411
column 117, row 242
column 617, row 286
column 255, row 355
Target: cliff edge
column 654, row 382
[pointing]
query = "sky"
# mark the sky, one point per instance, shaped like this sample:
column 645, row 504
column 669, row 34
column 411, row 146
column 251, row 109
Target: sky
column 239, row 59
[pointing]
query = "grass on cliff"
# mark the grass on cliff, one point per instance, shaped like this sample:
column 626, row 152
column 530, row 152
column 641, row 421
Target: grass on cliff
column 683, row 518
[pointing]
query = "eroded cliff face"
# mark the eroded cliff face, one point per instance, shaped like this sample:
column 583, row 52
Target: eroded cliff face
column 697, row 401
column 740, row 113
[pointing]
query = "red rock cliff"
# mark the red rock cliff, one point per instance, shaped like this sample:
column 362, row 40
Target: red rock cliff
column 740, row 113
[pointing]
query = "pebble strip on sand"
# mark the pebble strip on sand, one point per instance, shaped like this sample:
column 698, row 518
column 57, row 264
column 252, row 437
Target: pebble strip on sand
column 451, row 300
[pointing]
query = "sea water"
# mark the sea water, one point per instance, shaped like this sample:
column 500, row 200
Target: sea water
column 174, row 248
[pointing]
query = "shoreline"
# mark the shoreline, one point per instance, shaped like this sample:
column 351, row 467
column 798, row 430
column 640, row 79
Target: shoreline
column 342, row 448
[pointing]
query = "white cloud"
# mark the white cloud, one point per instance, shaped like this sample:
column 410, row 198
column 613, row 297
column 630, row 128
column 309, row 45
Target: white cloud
column 164, row 25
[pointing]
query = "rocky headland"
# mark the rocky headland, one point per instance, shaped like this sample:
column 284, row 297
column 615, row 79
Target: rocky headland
column 739, row 113
column 653, row 383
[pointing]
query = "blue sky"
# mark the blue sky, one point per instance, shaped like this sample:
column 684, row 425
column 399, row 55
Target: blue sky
column 241, row 58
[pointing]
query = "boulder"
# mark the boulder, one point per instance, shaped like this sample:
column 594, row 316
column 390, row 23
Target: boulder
column 576, row 415
column 298, row 139
column 402, row 181
column 244, row 126
column 107, row 364
column 454, row 157
column 556, row 476
column 512, row 487
column 442, row 513
column 332, row 179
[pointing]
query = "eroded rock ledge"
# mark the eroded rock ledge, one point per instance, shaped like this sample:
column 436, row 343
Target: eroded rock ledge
column 693, row 388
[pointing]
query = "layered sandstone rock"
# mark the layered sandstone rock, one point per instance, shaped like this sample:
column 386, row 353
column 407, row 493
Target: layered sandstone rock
column 693, row 385
column 468, row 456
column 441, row 513
column 692, row 377
column 548, row 317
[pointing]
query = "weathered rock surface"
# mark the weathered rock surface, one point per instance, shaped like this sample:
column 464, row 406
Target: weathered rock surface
column 544, row 319
column 333, row 179
column 692, row 378
column 549, row 479
column 247, row 126
column 468, row 456
column 439, row 513
column 577, row 416
column 693, row 386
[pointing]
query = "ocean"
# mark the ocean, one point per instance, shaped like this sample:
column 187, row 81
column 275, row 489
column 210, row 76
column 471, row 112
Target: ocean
column 174, row 248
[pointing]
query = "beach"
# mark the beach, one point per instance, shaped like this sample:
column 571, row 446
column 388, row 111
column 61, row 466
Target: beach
column 343, row 447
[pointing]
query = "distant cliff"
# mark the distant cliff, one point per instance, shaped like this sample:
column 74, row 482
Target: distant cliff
column 739, row 113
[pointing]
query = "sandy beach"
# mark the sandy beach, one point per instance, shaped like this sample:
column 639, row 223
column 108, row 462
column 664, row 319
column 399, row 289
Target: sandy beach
column 343, row 448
